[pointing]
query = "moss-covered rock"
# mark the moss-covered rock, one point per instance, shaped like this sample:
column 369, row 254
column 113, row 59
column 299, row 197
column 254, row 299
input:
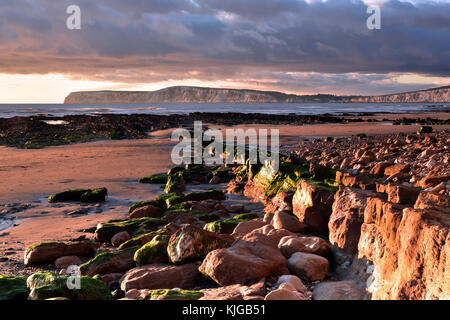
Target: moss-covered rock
column 154, row 251
column 106, row 231
column 83, row 195
column 13, row 288
column 425, row 129
column 110, row 262
column 175, row 184
column 160, row 178
column 94, row 196
column 142, row 239
column 46, row 285
column 227, row 226
column 140, row 204
column 206, row 195
column 49, row 251
column 170, row 294
column 191, row 244
column 69, row 195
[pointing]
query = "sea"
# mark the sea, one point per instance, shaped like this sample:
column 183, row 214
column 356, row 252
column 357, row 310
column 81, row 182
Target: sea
column 59, row 110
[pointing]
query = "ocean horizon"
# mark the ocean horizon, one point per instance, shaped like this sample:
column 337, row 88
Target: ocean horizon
column 334, row 108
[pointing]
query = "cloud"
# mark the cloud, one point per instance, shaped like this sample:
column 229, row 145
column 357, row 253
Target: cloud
column 322, row 43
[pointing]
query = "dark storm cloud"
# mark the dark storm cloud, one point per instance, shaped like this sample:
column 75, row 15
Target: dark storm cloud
column 157, row 40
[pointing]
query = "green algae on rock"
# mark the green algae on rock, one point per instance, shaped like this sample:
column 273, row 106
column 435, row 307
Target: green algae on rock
column 160, row 178
column 83, row 195
column 13, row 288
column 227, row 226
column 172, row 294
column 46, row 285
column 192, row 244
column 154, row 251
column 106, row 231
column 110, row 262
column 147, row 237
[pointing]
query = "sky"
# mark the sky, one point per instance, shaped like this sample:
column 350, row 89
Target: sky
column 293, row 46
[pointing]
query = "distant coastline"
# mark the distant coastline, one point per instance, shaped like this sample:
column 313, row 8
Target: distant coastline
column 186, row 94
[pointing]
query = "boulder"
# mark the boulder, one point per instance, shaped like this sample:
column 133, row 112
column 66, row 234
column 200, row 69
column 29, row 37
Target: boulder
column 293, row 281
column 235, row 292
column 146, row 211
column 397, row 168
column 192, row 244
column 249, row 259
column 50, row 251
column 312, row 205
column 154, row 251
column 64, row 262
column 284, row 220
column 45, row 285
column 110, row 262
column 284, row 294
column 13, row 288
column 338, row 290
column 292, row 244
column 246, row 227
column 429, row 200
column 161, row 276
column 399, row 193
column 120, row 238
column 307, row 266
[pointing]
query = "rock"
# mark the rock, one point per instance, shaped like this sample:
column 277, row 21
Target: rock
column 317, row 171
column 13, row 288
column 227, row 226
column 154, row 251
column 292, row 244
column 170, row 294
column 283, row 220
column 161, row 276
column 275, row 234
column 110, row 277
column 232, row 292
column 429, row 200
column 110, row 262
column 147, row 237
column 431, row 180
column 347, row 217
column 307, row 266
column 379, row 167
column 64, row 262
column 246, row 227
column 338, row 290
column 236, row 208
column 399, row 193
column 284, row 294
column 281, row 202
column 215, row 180
column 45, row 285
column 408, row 249
column 107, row 230
column 120, row 238
column 192, row 244
column 397, row 168
column 312, row 206
column 268, row 216
column 146, row 211
column 294, row 281
column 50, row 251
column 249, row 259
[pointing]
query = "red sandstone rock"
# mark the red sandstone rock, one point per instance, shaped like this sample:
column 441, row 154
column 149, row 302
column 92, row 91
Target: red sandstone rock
column 292, row 244
column 429, row 200
column 249, row 259
column 160, row 276
column 120, row 238
column 64, row 262
column 338, row 290
column 146, row 211
column 284, row 220
column 307, row 266
column 397, row 168
column 246, row 227
column 312, row 206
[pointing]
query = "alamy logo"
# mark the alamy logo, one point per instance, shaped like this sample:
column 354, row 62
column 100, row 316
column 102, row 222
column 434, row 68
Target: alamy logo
column 73, row 22
column 74, row 279
column 374, row 21
column 193, row 150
